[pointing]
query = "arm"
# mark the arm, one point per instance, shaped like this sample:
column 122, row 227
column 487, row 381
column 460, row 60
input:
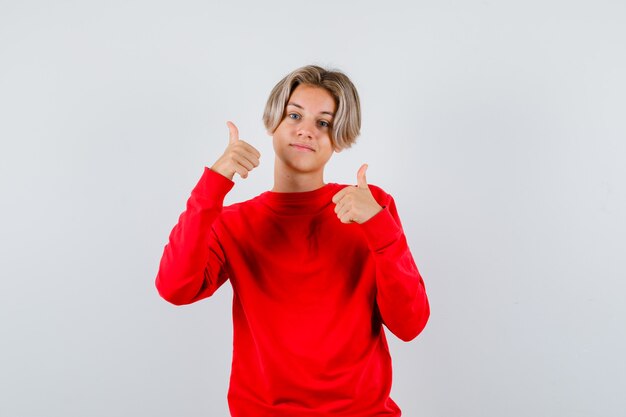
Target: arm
column 401, row 295
column 192, row 266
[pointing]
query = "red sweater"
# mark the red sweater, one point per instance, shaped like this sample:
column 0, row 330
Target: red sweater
column 310, row 296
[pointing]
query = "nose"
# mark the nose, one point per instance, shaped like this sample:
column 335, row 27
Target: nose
column 306, row 129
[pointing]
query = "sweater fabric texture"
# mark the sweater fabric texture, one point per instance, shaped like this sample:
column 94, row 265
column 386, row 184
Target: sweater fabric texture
column 310, row 296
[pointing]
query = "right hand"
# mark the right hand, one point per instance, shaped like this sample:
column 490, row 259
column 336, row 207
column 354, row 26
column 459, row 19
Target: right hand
column 239, row 157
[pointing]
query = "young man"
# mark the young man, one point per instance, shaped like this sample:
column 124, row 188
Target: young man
column 316, row 268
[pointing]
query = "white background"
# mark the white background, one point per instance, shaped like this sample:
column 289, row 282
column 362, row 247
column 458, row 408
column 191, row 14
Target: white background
column 499, row 127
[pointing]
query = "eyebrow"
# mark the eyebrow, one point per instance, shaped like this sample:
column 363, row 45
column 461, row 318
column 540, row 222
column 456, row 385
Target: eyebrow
column 291, row 103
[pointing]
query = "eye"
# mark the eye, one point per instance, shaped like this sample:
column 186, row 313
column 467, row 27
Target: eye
column 324, row 123
column 294, row 116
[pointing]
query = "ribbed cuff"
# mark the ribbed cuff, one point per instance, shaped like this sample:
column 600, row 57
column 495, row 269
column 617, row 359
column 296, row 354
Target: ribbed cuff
column 381, row 230
column 212, row 186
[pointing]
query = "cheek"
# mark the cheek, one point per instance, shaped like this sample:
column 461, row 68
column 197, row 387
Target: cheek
column 280, row 137
column 275, row 141
column 328, row 144
column 328, row 152
column 282, row 129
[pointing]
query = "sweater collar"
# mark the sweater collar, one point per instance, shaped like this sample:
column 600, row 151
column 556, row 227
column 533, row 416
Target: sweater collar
column 300, row 203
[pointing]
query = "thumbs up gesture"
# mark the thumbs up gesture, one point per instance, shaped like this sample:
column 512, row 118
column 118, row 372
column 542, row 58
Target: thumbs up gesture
column 356, row 204
column 239, row 157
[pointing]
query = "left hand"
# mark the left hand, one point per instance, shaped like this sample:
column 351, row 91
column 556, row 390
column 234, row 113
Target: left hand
column 356, row 204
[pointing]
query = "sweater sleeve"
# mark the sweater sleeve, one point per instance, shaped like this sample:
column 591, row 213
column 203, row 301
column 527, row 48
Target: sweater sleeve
column 192, row 265
column 401, row 295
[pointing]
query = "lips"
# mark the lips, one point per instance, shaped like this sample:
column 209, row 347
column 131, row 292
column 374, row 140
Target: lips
column 302, row 146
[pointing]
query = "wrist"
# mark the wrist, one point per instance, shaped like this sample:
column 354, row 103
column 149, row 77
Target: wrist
column 223, row 171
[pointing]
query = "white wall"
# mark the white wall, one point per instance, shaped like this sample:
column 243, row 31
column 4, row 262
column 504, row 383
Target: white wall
column 498, row 126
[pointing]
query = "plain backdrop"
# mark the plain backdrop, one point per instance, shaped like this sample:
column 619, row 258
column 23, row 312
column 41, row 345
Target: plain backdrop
column 498, row 126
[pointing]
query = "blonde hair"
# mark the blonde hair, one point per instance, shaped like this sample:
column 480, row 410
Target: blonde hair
column 346, row 124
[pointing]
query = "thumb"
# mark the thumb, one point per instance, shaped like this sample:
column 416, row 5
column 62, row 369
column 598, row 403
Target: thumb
column 233, row 132
column 361, row 181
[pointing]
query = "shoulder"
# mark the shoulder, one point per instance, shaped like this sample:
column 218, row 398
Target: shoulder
column 380, row 195
column 375, row 189
column 242, row 206
column 378, row 191
column 239, row 217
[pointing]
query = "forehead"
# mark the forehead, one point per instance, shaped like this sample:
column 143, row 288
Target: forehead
column 312, row 98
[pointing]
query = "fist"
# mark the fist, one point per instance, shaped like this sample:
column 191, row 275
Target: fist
column 356, row 204
column 239, row 157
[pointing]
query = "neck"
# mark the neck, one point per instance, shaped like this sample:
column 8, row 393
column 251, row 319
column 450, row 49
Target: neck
column 290, row 181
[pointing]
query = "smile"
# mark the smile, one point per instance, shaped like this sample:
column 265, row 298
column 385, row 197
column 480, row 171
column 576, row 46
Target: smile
column 302, row 147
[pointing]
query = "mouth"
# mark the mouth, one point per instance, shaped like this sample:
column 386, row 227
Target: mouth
column 302, row 147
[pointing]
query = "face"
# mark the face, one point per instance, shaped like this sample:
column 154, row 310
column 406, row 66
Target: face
column 302, row 140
